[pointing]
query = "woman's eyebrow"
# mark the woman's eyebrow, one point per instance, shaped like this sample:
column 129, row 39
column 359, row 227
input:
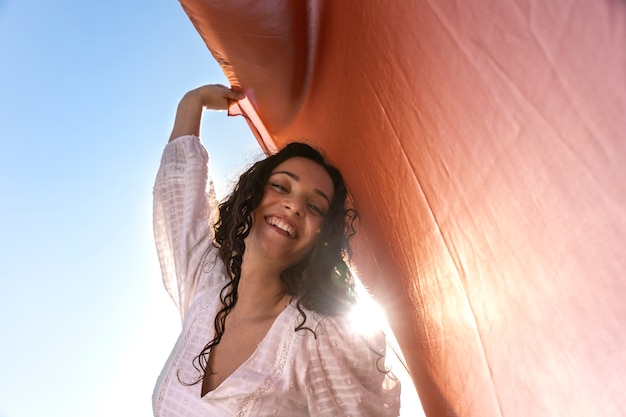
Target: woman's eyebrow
column 296, row 178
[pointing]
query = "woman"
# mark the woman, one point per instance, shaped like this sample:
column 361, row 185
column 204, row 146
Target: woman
column 261, row 285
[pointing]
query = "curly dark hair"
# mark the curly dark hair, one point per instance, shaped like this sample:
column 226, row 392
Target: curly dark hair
column 322, row 281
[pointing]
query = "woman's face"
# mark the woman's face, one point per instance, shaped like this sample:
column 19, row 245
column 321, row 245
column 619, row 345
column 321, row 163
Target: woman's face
column 295, row 201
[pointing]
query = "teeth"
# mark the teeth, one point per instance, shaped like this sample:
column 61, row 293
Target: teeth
column 285, row 227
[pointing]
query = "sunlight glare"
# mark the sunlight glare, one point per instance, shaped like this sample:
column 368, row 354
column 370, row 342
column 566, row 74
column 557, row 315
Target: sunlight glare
column 368, row 318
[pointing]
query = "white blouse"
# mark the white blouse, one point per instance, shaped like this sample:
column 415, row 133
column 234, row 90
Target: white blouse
column 291, row 373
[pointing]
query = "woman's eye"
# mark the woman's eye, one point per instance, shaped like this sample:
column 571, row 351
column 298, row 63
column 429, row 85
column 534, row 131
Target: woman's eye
column 278, row 187
column 316, row 210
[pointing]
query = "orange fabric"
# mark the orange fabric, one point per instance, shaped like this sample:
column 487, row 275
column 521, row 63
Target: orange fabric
column 485, row 145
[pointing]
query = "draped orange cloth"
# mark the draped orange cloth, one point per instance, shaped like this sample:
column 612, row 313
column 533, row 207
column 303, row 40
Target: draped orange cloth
column 484, row 143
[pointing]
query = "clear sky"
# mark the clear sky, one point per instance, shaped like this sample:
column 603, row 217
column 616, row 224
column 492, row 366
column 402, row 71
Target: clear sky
column 88, row 92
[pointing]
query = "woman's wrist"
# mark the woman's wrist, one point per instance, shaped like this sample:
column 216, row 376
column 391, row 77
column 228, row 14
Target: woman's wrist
column 190, row 107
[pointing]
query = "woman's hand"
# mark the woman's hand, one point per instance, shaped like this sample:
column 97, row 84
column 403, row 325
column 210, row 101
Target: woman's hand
column 214, row 96
column 189, row 113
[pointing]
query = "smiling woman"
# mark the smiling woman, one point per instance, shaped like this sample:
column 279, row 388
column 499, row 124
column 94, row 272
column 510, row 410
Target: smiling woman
column 262, row 284
column 294, row 207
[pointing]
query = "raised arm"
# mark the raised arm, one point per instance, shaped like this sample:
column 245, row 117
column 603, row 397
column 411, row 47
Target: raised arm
column 189, row 112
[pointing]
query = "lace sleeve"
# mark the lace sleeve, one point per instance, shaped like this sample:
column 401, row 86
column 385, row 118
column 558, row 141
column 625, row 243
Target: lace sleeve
column 184, row 207
column 346, row 375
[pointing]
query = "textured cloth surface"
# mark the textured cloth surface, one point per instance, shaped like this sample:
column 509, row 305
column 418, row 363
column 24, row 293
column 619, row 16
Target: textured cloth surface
column 290, row 373
column 484, row 143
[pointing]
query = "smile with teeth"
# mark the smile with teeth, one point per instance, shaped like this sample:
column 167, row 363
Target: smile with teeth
column 282, row 225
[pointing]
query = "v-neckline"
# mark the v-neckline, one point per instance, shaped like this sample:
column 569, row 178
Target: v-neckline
column 250, row 358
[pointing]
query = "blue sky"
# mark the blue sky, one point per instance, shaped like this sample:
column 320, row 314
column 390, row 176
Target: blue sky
column 88, row 92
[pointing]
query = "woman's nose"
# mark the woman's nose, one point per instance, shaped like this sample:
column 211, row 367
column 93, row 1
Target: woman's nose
column 293, row 205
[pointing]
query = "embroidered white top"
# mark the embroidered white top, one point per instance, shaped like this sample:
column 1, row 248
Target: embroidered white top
column 290, row 373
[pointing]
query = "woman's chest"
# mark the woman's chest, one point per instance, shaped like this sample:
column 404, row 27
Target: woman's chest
column 238, row 344
column 253, row 377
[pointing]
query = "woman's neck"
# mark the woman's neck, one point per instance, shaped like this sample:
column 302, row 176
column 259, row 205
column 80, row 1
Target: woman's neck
column 260, row 291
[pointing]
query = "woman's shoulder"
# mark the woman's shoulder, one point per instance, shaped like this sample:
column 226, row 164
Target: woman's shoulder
column 339, row 335
column 345, row 369
column 212, row 272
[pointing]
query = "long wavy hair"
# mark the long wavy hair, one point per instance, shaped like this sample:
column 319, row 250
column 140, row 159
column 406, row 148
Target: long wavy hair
column 321, row 282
